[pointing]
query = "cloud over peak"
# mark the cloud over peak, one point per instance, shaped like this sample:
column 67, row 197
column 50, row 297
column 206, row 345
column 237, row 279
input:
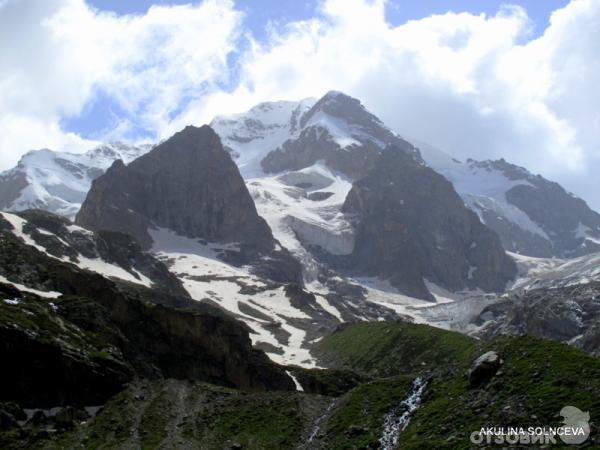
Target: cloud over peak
column 473, row 85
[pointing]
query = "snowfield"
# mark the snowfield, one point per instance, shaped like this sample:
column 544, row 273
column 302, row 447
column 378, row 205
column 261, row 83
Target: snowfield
column 555, row 272
column 59, row 181
column 206, row 278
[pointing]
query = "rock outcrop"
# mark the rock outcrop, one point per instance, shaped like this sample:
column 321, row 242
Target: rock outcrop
column 411, row 225
column 568, row 314
column 82, row 345
column 61, row 239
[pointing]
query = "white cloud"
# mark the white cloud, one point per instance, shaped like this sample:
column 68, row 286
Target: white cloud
column 474, row 85
column 56, row 55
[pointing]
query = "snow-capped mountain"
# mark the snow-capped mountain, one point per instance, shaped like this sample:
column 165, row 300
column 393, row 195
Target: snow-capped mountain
column 533, row 216
column 251, row 135
column 59, row 181
column 274, row 137
column 299, row 161
column 306, row 177
column 296, row 158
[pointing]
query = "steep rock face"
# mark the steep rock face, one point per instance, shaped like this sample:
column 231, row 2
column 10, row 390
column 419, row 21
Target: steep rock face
column 411, row 225
column 188, row 184
column 339, row 131
column 574, row 228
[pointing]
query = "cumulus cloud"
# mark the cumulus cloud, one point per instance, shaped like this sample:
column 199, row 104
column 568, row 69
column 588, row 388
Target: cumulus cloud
column 473, row 85
column 58, row 55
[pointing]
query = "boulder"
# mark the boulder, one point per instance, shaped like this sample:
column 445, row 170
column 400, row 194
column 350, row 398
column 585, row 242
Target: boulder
column 484, row 368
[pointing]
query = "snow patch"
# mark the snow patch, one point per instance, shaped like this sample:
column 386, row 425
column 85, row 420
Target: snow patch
column 96, row 265
column 296, row 382
column 12, row 301
column 207, row 278
column 45, row 294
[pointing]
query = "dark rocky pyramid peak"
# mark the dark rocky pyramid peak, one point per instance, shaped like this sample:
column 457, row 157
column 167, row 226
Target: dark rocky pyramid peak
column 340, row 105
column 188, row 184
column 116, row 166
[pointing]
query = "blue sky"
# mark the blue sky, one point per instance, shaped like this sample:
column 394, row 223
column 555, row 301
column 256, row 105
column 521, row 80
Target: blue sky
column 259, row 12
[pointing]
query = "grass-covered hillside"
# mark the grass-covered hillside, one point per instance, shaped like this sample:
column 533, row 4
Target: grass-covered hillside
column 536, row 380
column 382, row 349
column 374, row 366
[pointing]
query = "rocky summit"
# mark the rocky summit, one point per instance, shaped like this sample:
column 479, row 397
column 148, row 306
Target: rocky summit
column 188, row 184
column 340, row 131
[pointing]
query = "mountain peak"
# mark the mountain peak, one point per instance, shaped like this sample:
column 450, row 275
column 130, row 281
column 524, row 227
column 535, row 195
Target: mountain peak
column 194, row 129
column 36, row 154
column 116, row 166
column 336, row 94
column 339, row 105
column 196, row 132
column 188, row 184
column 511, row 171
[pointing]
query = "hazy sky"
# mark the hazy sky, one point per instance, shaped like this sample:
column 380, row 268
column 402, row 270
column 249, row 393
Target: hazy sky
column 479, row 79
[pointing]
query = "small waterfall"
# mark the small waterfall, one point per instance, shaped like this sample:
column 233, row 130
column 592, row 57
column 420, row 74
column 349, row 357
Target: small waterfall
column 397, row 419
column 319, row 421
